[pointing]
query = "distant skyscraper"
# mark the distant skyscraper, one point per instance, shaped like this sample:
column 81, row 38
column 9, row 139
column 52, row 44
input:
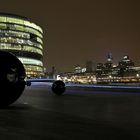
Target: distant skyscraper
column 99, row 69
column 77, row 69
column 24, row 39
column 109, row 57
column 126, row 62
column 89, row 66
column 108, row 64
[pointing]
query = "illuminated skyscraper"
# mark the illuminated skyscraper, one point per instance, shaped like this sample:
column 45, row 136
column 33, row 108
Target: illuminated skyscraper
column 23, row 38
column 108, row 64
column 109, row 58
column 126, row 62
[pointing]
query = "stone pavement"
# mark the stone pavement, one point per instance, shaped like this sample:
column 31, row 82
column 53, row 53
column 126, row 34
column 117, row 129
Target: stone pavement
column 77, row 115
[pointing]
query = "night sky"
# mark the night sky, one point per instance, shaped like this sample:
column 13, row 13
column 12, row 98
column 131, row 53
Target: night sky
column 79, row 30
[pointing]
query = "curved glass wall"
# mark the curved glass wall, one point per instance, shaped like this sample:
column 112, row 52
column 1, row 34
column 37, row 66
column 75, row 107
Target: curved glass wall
column 18, row 34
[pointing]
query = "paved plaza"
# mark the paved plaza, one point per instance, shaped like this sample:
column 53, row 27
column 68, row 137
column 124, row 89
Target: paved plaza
column 76, row 115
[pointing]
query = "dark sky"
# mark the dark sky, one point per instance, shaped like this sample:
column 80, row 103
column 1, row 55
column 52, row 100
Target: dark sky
column 79, row 30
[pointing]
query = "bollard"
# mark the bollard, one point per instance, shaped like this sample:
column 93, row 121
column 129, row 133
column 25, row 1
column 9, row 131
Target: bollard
column 58, row 87
column 12, row 75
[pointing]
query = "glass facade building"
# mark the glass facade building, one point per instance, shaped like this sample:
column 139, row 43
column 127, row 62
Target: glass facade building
column 24, row 39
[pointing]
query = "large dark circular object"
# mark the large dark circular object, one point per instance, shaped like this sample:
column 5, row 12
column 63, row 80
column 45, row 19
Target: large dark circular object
column 12, row 74
column 58, row 87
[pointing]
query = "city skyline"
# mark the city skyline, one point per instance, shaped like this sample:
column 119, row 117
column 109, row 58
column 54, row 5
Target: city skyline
column 106, row 60
column 78, row 31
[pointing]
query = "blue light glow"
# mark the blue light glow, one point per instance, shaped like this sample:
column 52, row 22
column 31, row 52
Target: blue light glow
column 106, row 86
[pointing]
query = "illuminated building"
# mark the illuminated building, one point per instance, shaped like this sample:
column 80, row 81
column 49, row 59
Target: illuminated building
column 99, row 69
column 109, row 58
column 108, row 63
column 24, row 39
column 126, row 62
column 77, row 69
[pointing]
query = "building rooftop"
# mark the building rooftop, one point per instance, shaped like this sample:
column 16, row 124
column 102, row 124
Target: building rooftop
column 13, row 15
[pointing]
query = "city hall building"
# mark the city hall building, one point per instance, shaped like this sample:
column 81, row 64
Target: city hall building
column 23, row 38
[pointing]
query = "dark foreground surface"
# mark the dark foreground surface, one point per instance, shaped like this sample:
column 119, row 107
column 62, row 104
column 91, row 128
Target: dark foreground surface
column 77, row 115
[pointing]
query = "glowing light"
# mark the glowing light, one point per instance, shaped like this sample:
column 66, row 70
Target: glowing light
column 30, row 61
